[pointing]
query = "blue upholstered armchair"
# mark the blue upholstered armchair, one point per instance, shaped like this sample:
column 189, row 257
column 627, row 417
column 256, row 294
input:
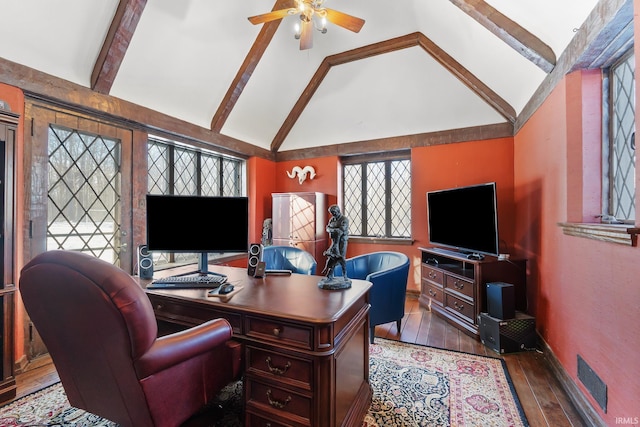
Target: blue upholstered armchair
column 289, row 258
column 388, row 271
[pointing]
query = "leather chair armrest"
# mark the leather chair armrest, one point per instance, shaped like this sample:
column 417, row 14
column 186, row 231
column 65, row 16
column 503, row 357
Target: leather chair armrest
column 180, row 346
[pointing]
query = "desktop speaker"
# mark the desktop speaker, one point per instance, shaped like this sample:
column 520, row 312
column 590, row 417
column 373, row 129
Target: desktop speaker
column 508, row 336
column 254, row 259
column 501, row 300
column 145, row 263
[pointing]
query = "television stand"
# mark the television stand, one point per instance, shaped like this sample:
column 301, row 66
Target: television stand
column 453, row 286
column 475, row 256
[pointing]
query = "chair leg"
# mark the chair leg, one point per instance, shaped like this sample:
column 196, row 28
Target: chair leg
column 398, row 324
column 372, row 330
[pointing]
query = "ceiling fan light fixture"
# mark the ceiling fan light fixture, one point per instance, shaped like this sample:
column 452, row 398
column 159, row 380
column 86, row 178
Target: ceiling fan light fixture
column 312, row 15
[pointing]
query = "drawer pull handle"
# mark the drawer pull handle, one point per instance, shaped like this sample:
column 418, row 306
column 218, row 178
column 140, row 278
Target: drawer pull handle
column 432, row 293
column 277, row 331
column 159, row 307
column 459, row 307
column 277, row 403
column 432, row 275
column 458, row 285
column 275, row 370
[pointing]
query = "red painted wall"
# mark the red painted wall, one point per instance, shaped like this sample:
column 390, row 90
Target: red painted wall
column 584, row 293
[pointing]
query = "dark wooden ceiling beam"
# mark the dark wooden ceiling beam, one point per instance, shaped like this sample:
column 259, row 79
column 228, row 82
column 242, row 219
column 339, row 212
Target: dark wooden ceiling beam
column 467, row 78
column 397, row 143
column 525, row 43
column 247, row 68
column 116, row 43
column 403, row 42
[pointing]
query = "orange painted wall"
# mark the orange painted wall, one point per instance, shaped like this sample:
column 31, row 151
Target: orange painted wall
column 15, row 98
column 584, row 293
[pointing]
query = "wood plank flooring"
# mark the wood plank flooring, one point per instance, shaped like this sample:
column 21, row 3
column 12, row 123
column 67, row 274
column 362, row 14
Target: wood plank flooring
column 544, row 401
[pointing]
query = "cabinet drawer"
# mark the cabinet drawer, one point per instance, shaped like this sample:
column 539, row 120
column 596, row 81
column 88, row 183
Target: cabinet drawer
column 460, row 307
column 432, row 274
column 434, row 293
column 281, row 367
column 462, row 286
column 277, row 400
column 270, row 330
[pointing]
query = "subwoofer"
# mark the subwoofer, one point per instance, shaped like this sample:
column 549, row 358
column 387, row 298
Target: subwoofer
column 145, row 262
column 501, row 300
column 254, row 259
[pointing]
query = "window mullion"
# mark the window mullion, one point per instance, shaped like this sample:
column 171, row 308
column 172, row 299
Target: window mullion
column 365, row 228
column 387, row 198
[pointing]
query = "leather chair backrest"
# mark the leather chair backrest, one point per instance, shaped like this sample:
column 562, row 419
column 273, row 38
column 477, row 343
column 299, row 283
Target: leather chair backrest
column 94, row 324
column 289, row 258
column 360, row 267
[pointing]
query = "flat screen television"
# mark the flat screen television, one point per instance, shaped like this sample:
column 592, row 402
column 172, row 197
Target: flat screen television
column 197, row 224
column 464, row 218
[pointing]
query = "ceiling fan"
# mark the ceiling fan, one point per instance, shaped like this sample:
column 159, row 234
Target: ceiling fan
column 312, row 15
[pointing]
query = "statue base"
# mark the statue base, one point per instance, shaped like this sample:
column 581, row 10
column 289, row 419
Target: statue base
column 335, row 283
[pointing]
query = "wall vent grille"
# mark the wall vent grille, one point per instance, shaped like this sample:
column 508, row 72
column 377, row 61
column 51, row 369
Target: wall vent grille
column 593, row 383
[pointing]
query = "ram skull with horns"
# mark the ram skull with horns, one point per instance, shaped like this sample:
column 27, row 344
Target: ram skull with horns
column 302, row 173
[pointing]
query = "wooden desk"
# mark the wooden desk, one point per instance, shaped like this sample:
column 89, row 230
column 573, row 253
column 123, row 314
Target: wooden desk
column 306, row 350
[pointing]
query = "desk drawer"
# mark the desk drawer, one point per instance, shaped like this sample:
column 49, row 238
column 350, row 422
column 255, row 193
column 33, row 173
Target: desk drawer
column 273, row 330
column 460, row 307
column 278, row 400
column 280, row 367
column 257, row 421
column 432, row 274
column 461, row 286
column 190, row 314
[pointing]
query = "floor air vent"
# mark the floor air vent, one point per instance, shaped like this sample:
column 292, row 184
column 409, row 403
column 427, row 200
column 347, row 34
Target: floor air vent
column 593, row 383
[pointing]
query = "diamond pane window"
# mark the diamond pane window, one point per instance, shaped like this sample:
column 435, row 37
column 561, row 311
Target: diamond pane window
column 377, row 197
column 83, row 211
column 622, row 157
column 185, row 171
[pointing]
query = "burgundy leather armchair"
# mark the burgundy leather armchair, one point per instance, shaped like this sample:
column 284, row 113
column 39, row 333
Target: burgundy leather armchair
column 101, row 332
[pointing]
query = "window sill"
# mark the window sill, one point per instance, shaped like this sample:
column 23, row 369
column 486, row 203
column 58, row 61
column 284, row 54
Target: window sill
column 614, row 233
column 381, row 240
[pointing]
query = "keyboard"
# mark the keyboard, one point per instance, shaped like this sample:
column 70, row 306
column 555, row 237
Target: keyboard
column 188, row 282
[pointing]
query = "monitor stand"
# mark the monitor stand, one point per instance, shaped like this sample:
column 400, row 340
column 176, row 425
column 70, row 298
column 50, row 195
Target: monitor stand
column 203, row 267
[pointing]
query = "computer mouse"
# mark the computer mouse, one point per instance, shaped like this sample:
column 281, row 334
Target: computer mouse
column 225, row 289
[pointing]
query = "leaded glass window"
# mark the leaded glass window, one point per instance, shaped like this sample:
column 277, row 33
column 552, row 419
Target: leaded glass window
column 83, row 211
column 377, row 196
column 620, row 179
column 181, row 170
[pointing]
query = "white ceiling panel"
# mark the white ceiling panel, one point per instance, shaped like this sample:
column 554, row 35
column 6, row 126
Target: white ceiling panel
column 59, row 37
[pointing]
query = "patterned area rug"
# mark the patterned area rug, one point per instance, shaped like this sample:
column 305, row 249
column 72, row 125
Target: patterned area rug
column 412, row 386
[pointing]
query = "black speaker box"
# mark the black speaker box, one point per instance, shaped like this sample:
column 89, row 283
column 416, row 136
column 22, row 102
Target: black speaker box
column 145, row 263
column 508, row 336
column 501, row 300
column 254, row 258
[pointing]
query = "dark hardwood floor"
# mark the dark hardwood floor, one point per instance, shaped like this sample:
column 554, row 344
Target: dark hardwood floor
column 544, row 401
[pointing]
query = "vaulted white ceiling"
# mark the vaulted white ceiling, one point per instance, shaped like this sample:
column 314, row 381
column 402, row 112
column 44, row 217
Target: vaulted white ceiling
column 184, row 55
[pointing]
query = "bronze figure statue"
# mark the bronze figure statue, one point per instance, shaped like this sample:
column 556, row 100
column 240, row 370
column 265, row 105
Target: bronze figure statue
column 338, row 230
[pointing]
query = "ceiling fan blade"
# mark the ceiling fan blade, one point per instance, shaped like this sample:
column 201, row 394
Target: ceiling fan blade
column 306, row 35
column 349, row 22
column 271, row 16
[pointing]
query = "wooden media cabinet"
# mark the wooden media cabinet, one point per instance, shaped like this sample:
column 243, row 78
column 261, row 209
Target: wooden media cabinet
column 454, row 287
